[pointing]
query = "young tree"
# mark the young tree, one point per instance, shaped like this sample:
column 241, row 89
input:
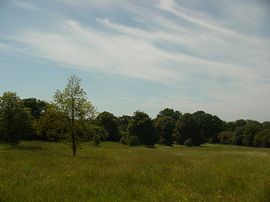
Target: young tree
column 73, row 102
column 15, row 120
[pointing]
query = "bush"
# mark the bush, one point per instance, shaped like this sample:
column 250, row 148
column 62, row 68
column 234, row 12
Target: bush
column 262, row 139
column 132, row 140
column 225, row 137
column 123, row 140
column 96, row 139
column 188, row 142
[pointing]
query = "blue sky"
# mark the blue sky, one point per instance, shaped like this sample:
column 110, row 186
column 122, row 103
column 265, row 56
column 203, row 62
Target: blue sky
column 141, row 55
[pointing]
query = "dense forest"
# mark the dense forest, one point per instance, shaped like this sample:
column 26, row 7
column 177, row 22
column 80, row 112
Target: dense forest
column 71, row 117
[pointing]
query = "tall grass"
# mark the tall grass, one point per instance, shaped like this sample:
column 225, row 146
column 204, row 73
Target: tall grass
column 38, row 171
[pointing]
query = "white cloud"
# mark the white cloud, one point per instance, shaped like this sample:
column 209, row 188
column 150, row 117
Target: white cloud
column 24, row 4
column 90, row 50
column 3, row 46
column 206, row 55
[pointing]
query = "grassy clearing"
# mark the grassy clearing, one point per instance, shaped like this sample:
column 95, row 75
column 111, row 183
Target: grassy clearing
column 39, row 171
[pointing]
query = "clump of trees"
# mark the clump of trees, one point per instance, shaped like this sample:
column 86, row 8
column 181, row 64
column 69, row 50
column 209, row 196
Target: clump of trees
column 15, row 119
column 72, row 117
column 246, row 133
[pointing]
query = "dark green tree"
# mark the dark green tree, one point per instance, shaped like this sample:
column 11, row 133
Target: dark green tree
column 238, row 135
column 142, row 126
column 250, row 129
column 170, row 113
column 262, row 139
column 15, row 120
column 210, row 125
column 109, row 122
column 187, row 127
column 239, row 123
column 164, row 127
column 266, row 125
column 88, row 131
column 36, row 106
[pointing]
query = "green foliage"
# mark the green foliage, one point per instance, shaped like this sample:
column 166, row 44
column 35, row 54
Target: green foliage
column 210, row 125
column 164, row 127
column 250, row 129
column 244, row 134
column 228, row 126
column 36, row 106
column 142, row 126
column 132, row 140
column 15, row 120
column 72, row 101
column 262, row 138
column 188, row 142
column 170, row 113
column 225, row 137
column 123, row 122
column 96, row 139
column 123, row 140
column 100, row 131
column 53, row 125
column 128, row 139
column 239, row 123
column 109, row 122
column 266, row 125
column 238, row 136
column 187, row 127
column 123, row 137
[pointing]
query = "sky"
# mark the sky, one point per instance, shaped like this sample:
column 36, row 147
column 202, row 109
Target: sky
column 145, row 55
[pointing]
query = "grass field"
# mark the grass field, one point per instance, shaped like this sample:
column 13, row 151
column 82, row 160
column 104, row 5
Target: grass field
column 39, row 171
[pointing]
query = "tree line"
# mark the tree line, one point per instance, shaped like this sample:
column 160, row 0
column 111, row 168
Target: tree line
column 71, row 117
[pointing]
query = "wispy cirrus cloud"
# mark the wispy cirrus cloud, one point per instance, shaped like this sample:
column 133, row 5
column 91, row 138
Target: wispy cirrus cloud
column 209, row 60
column 25, row 5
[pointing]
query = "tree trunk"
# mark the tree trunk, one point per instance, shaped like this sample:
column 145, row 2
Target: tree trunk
column 74, row 149
column 73, row 135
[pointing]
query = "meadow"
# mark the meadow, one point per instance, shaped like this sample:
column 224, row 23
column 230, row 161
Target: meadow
column 43, row 171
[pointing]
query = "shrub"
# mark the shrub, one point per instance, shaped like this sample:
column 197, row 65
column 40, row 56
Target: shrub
column 132, row 140
column 188, row 142
column 123, row 140
column 96, row 139
column 262, row 139
column 225, row 137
